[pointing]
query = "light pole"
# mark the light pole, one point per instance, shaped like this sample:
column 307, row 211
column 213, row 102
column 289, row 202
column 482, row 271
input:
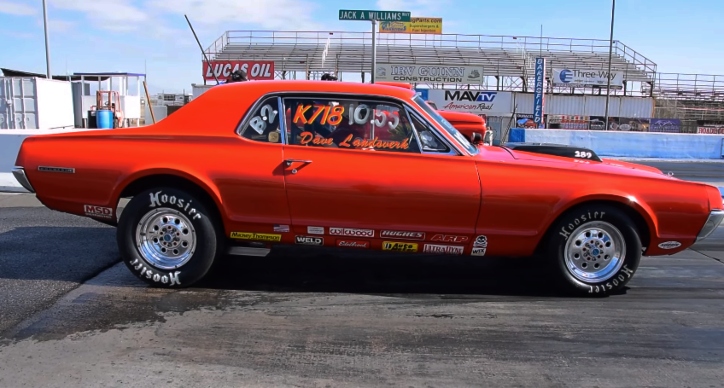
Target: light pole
column 47, row 46
column 610, row 54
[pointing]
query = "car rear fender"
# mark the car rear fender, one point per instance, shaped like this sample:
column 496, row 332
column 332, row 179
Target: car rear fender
column 629, row 203
column 196, row 179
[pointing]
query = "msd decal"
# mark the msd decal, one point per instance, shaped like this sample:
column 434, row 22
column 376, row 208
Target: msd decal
column 402, row 235
column 98, row 211
column 223, row 69
column 349, row 232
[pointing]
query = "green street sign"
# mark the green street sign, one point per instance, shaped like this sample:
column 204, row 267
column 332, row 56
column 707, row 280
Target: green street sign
column 385, row 16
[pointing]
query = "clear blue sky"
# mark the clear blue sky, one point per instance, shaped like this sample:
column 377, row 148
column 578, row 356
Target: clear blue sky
column 134, row 35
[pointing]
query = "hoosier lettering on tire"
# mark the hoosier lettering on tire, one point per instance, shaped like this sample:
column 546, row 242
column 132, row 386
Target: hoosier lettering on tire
column 168, row 237
column 594, row 249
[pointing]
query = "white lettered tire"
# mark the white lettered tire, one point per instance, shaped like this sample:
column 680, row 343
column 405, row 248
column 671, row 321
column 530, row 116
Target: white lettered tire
column 594, row 249
column 168, row 237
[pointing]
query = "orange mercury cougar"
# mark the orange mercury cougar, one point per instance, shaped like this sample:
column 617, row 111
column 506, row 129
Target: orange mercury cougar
column 361, row 166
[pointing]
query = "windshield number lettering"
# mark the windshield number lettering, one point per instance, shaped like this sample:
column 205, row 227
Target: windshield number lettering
column 583, row 154
column 267, row 114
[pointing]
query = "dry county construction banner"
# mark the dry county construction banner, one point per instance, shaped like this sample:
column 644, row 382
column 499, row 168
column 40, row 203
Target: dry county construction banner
column 429, row 73
column 418, row 25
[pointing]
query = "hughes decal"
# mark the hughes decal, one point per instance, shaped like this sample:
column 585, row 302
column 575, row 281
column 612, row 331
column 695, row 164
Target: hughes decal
column 423, row 73
column 472, row 101
column 402, row 235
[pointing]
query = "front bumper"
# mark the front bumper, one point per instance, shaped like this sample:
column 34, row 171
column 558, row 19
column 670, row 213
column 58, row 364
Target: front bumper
column 20, row 176
column 715, row 219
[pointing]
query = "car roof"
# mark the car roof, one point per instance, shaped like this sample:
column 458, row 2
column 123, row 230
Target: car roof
column 273, row 86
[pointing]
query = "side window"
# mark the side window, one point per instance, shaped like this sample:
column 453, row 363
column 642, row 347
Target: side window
column 429, row 140
column 349, row 123
column 264, row 123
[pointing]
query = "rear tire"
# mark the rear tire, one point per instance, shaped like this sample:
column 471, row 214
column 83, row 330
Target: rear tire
column 594, row 249
column 168, row 237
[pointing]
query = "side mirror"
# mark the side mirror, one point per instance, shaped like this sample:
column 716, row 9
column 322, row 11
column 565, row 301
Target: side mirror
column 476, row 138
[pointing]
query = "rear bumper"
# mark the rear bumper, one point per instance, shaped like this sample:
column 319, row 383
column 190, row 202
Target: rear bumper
column 20, row 176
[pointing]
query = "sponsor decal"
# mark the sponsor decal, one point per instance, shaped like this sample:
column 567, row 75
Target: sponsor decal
column 171, row 278
column 253, row 69
column 353, row 244
column 158, row 199
column 481, row 242
column 402, row 235
column 281, row 228
column 449, row 238
column 309, row 240
column 98, row 211
column 399, row 246
column 349, row 232
column 256, row 236
column 315, row 230
column 443, row 249
column 478, row 252
column 670, row 245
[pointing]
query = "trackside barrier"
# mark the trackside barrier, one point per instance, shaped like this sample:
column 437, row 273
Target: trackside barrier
column 629, row 144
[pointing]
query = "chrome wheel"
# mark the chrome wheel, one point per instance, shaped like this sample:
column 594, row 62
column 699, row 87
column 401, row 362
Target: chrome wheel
column 166, row 238
column 595, row 252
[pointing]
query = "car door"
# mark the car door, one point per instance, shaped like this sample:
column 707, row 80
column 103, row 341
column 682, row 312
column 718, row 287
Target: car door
column 251, row 179
column 355, row 172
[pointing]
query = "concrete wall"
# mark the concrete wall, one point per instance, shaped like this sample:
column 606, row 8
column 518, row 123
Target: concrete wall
column 629, row 144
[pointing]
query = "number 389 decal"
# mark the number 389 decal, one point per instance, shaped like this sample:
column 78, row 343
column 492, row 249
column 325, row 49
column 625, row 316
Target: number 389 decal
column 583, row 154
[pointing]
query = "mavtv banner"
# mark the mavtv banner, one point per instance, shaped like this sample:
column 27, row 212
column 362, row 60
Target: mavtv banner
column 490, row 103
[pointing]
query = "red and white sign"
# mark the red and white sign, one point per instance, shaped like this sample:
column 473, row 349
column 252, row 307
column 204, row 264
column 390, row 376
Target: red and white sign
column 254, row 69
column 98, row 211
column 351, row 232
column 710, row 130
column 353, row 244
column 402, row 235
column 443, row 249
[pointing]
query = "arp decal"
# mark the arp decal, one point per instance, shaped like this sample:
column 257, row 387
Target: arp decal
column 449, row 238
column 256, row 236
column 98, row 211
column 309, row 240
column 399, row 246
column 402, row 235
column 315, row 230
column 443, row 249
column 670, row 245
column 350, row 232
column 353, row 244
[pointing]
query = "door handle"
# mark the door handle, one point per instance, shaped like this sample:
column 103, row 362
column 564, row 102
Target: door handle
column 290, row 161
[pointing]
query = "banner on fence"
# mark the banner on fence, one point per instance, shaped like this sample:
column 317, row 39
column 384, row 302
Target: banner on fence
column 539, row 92
column 254, row 69
column 416, row 25
column 490, row 103
column 581, row 78
column 665, row 125
column 451, row 74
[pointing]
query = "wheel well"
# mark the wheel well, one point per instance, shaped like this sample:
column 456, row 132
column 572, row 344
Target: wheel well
column 639, row 222
column 147, row 182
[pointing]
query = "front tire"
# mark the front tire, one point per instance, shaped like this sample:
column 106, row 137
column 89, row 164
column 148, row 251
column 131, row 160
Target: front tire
column 594, row 249
column 168, row 237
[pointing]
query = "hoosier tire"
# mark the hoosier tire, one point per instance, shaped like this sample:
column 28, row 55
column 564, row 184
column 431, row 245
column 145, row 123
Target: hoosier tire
column 168, row 237
column 594, row 249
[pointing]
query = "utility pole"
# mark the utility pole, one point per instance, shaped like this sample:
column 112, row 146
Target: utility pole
column 610, row 54
column 47, row 45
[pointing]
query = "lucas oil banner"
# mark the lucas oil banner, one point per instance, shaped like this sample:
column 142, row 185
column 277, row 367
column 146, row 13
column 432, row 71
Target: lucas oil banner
column 449, row 74
column 417, row 25
column 223, row 69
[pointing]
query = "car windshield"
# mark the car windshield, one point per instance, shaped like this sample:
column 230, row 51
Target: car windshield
column 446, row 124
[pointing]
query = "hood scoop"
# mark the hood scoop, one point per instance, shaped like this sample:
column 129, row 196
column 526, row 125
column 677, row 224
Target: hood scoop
column 556, row 150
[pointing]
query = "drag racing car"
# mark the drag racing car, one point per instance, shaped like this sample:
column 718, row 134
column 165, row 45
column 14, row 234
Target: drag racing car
column 250, row 165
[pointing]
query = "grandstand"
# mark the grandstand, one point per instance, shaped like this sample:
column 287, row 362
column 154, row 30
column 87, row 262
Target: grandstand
column 507, row 62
